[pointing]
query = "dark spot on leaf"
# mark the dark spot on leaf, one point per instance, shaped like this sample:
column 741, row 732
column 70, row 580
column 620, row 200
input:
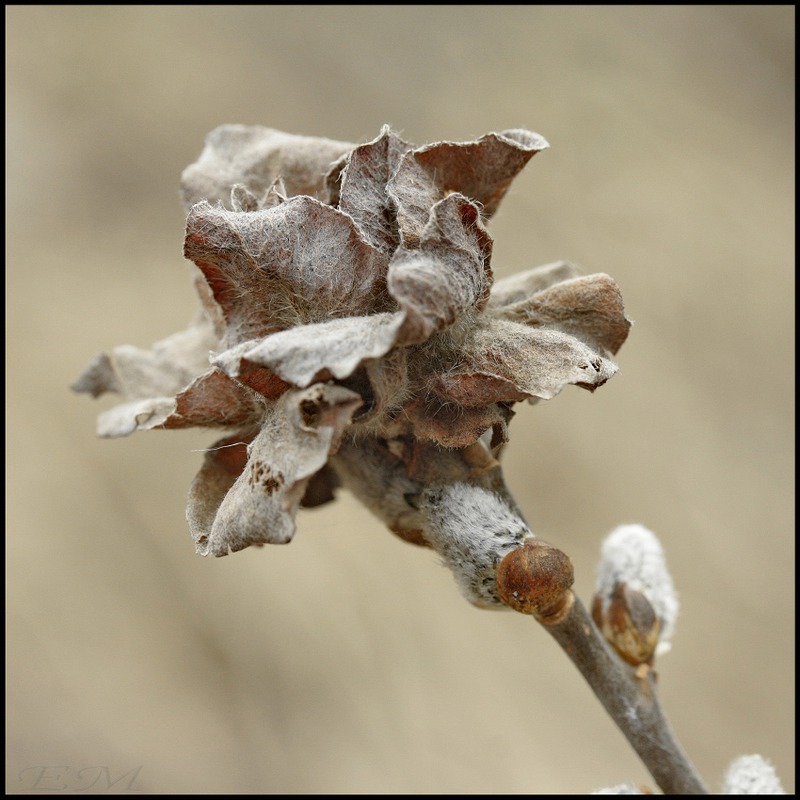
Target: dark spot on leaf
column 309, row 410
column 261, row 475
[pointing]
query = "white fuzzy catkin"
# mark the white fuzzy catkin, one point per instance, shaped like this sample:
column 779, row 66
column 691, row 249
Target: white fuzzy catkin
column 751, row 775
column 633, row 555
column 472, row 529
column 746, row 775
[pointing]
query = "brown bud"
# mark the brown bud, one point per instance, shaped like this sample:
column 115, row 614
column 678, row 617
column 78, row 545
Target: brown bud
column 629, row 623
column 536, row 579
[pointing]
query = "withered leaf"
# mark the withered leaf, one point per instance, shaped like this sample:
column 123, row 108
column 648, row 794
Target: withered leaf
column 506, row 362
column 306, row 353
column 138, row 415
column 213, row 400
column 589, row 308
column 242, row 199
column 481, row 170
column 320, row 488
column 223, row 463
column 166, row 368
column 514, row 288
column 356, row 337
column 297, row 436
column 447, row 274
column 255, row 157
column 456, row 426
column 293, row 264
column 170, row 385
column 387, row 382
column 357, row 185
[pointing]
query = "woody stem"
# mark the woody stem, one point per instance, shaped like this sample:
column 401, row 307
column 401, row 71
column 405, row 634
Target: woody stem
column 630, row 698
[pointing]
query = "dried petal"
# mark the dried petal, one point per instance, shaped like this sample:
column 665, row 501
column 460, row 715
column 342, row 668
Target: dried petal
column 242, row 199
column 215, row 401
column 387, row 379
column 455, row 426
column 222, row 465
column 347, row 295
column 169, row 385
column 139, row 415
column 256, row 157
column 320, row 488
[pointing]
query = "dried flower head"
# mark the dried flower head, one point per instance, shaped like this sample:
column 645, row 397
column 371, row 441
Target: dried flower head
column 357, row 338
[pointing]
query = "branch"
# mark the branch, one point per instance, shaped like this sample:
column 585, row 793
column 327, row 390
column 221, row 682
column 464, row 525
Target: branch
column 536, row 580
column 457, row 502
column 630, row 699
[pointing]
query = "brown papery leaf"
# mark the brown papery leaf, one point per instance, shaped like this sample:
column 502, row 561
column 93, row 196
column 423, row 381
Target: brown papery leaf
column 350, row 331
column 255, row 157
column 222, row 465
column 308, row 353
column 296, row 263
column 357, row 185
column 320, row 488
column 456, row 426
column 481, row 170
column 505, row 362
column 166, row 368
column 138, row 415
column 242, row 199
column 589, row 308
column 448, row 273
column 521, row 286
column 298, row 434
column 212, row 400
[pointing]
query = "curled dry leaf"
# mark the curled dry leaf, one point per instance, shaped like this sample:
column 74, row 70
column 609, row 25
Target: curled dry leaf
column 236, row 501
column 351, row 333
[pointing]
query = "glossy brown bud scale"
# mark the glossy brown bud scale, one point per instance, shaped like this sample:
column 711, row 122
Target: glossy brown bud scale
column 629, row 623
column 536, row 579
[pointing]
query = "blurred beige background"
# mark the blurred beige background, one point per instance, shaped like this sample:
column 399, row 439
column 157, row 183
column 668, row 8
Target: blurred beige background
column 347, row 661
